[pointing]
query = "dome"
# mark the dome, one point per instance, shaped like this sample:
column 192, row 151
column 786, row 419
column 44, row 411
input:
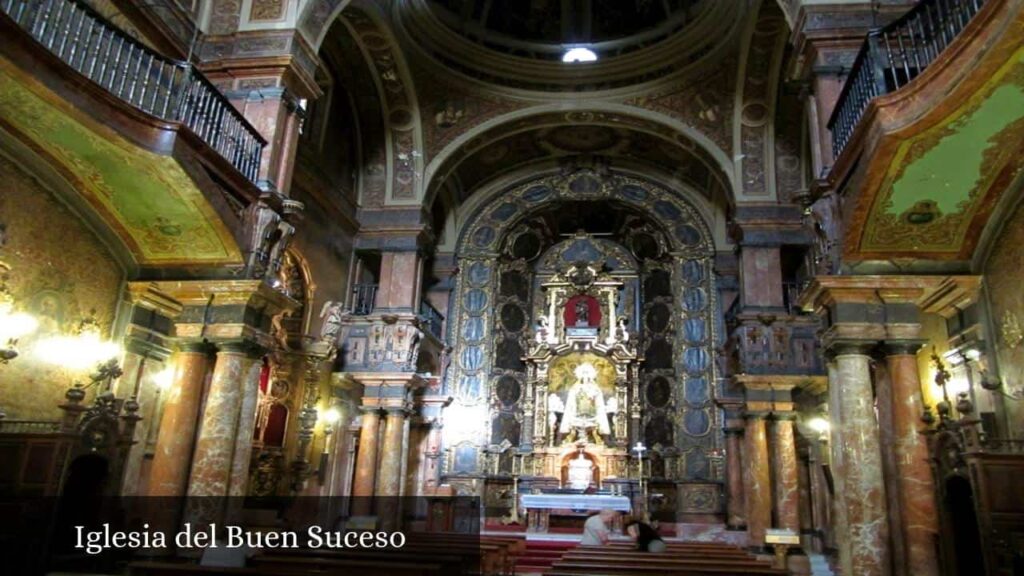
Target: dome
column 543, row 29
column 521, row 43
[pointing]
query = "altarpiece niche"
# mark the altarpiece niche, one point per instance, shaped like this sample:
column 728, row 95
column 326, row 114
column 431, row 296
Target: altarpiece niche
column 573, row 346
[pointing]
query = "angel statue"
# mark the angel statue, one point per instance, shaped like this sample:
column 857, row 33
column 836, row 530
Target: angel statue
column 332, row 313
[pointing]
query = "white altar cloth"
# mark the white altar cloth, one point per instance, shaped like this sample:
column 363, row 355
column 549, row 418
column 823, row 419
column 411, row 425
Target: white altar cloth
column 575, row 502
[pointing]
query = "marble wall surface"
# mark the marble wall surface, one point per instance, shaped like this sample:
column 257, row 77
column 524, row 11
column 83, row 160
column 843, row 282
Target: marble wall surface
column 1004, row 271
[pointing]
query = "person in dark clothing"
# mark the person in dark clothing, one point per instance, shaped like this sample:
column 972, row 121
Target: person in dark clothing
column 646, row 537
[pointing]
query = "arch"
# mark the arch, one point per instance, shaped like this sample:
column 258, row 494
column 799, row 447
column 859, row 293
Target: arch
column 764, row 42
column 686, row 228
column 317, row 18
column 607, row 113
column 403, row 131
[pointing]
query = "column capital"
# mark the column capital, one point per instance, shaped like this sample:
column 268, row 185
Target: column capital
column 245, row 347
column 368, row 409
column 194, row 347
column 402, row 411
column 237, row 309
column 150, row 296
column 851, row 347
column 756, row 415
column 902, row 347
column 784, row 416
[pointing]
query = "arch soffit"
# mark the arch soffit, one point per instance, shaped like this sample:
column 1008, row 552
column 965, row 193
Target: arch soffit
column 403, row 132
column 464, row 213
column 685, row 227
column 611, row 114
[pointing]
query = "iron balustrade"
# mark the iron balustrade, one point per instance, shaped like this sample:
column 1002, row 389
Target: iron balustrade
column 431, row 318
column 168, row 89
column 894, row 55
column 791, row 290
column 363, row 297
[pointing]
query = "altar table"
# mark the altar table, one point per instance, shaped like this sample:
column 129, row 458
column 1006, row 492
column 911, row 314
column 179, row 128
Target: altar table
column 540, row 507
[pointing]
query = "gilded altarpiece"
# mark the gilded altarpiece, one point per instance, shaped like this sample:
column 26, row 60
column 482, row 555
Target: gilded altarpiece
column 649, row 331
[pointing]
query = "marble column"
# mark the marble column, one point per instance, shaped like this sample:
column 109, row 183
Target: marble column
column 863, row 496
column 821, row 517
column 366, row 461
column 734, row 477
column 840, row 526
column 169, row 471
column 787, row 488
column 250, row 390
column 218, row 436
column 757, row 480
column 390, row 475
column 914, row 482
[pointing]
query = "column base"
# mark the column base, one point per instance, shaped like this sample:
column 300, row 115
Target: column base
column 736, row 527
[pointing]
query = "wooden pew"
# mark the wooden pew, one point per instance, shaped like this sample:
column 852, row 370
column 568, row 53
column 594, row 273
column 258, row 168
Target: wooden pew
column 674, row 552
column 450, row 560
column 355, row 568
column 508, row 546
column 347, row 566
column 681, row 559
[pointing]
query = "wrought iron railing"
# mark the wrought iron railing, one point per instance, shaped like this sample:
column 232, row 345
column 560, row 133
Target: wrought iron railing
column 363, row 297
column 791, row 290
column 167, row 89
column 894, row 55
column 431, row 318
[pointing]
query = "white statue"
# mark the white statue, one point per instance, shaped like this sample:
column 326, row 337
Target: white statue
column 584, row 405
column 332, row 314
column 555, row 407
column 622, row 330
column 540, row 333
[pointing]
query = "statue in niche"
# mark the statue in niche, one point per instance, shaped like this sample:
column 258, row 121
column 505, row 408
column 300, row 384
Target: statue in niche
column 622, row 329
column 540, row 334
column 582, row 312
column 555, row 410
column 585, row 416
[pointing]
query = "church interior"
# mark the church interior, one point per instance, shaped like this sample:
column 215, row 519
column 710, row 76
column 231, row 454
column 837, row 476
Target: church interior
column 743, row 270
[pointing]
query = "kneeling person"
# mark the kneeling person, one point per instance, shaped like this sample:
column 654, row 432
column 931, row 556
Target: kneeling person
column 646, row 537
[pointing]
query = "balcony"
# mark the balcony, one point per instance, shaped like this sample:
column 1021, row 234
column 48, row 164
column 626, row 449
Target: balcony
column 363, row 298
column 169, row 90
column 894, row 55
column 431, row 318
column 925, row 134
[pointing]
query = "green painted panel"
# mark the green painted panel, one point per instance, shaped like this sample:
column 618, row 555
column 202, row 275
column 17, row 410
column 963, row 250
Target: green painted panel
column 147, row 197
column 949, row 172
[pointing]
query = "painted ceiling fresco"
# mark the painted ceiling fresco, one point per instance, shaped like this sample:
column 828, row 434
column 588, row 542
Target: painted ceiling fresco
column 942, row 180
column 147, row 198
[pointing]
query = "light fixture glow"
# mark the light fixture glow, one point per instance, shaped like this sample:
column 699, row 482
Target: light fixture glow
column 331, row 416
column 164, row 378
column 76, row 352
column 819, row 425
column 579, row 54
column 16, row 325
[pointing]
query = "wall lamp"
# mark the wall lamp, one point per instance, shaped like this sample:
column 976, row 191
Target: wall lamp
column 13, row 324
